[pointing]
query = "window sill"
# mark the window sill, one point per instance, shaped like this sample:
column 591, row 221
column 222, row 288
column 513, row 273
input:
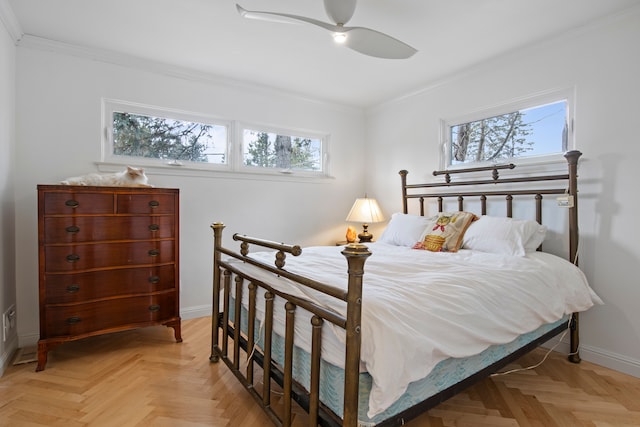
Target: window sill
column 187, row 171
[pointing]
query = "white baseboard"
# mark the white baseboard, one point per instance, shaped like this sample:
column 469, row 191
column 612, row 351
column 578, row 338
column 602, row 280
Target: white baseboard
column 617, row 362
column 28, row 340
column 608, row 359
column 7, row 356
column 194, row 312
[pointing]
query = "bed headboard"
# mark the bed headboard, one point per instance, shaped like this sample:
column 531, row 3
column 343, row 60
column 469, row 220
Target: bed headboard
column 482, row 189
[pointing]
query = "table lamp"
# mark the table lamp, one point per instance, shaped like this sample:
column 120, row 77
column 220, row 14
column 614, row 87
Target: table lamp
column 365, row 211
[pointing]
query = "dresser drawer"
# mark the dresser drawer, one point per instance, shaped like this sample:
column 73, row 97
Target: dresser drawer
column 146, row 203
column 79, row 257
column 72, row 203
column 79, row 287
column 89, row 229
column 102, row 315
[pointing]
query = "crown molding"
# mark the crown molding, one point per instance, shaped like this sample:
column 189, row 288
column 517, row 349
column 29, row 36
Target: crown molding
column 10, row 22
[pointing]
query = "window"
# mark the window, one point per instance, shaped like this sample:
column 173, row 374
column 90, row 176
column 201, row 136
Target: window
column 155, row 137
column 281, row 151
column 163, row 137
column 136, row 135
column 534, row 130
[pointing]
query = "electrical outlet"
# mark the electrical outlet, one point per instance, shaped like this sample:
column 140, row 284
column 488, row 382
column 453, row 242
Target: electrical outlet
column 8, row 322
column 565, row 201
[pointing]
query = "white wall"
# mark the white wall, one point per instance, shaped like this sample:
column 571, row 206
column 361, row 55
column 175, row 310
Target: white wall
column 58, row 135
column 58, row 127
column 7, row 172
column 602, row 64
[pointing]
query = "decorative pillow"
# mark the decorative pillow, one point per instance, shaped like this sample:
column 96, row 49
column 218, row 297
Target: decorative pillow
column 502, row 235
column 445, row 231
column 404, row 229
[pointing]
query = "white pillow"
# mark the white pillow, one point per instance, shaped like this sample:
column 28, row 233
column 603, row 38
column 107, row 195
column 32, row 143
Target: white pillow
column 536, row 238
column 502, row 235
column 404, row 230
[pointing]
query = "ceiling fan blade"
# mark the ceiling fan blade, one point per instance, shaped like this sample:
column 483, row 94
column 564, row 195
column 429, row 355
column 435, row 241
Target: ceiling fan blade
column 363, row 40
column 284, row 18
column 374, row 43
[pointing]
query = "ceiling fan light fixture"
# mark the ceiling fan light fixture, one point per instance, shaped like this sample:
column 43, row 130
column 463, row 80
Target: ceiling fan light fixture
column 340, row 38
column 363, row 40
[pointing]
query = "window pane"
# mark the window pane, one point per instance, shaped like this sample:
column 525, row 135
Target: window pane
column 271, row 150
column 528, row 132
column 168, row 139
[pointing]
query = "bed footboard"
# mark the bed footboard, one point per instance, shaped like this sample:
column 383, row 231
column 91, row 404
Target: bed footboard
column 225, row 329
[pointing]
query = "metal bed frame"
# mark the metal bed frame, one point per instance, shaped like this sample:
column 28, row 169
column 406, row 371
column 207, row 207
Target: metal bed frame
column 225, row 329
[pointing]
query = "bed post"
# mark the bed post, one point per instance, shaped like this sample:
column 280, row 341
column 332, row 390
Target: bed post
column 403, row 176
column 572, row 159
column 356, row 255
column 217, row 243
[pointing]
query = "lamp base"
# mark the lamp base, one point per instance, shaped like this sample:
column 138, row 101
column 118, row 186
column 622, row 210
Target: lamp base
column 365, row 236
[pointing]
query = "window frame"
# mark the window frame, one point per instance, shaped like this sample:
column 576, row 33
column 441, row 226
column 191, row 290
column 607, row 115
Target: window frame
column 324, row 150
column 528, row 102
column 234, row 152
column 110, row 106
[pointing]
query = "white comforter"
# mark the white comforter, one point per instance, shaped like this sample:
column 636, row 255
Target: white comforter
column 421, row 307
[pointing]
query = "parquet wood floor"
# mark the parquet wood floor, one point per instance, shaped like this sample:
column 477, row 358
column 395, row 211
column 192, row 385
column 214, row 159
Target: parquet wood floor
column 144, row 378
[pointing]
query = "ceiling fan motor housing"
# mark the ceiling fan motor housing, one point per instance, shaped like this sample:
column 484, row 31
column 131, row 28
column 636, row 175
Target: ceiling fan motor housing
column 340, row 11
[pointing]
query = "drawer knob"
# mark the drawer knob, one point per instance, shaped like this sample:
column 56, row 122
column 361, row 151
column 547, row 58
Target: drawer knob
column 154, row 279
column 73, row 288
column 154, row 307
column 154, row 227
column 154, row 204
column 73, row 320
column 154, row 252
column 72, row 203
column 73, row 257
column 72, row 229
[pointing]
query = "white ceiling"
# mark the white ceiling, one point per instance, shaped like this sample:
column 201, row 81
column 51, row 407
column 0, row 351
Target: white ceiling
column 209, row 36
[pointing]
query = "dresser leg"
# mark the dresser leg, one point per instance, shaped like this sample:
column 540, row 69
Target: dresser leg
column 175, row 324
column 42, row 356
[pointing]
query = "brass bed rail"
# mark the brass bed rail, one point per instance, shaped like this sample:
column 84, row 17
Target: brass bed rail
column 356, row 256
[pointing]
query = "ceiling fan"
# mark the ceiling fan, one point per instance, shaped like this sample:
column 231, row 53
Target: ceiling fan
column 364, row 40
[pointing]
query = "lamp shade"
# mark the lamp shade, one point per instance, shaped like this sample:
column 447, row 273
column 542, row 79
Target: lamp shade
column 365, row 210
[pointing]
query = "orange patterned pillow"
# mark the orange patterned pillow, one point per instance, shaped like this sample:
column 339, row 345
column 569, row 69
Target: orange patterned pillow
column 445, row 231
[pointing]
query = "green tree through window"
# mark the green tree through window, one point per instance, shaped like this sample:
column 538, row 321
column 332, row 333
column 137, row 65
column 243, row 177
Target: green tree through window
column 270, row 150
column 161, row 138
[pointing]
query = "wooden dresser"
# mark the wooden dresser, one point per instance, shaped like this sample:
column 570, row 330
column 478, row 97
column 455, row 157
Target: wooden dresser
column 108, row 261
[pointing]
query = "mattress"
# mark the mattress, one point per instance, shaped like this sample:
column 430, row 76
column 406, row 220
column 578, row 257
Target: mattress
column 446, row 373
column 433, row 306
